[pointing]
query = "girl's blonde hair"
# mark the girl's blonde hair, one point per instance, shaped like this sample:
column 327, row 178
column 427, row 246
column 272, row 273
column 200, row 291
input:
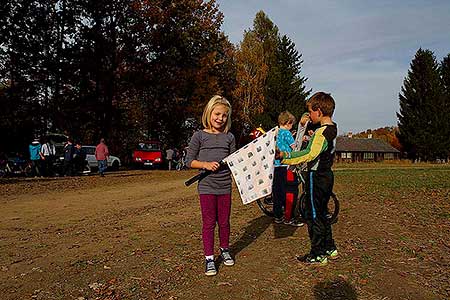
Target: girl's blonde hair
column 212, row 103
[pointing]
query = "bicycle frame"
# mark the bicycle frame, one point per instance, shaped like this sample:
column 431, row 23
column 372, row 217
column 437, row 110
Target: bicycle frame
column 266, row 204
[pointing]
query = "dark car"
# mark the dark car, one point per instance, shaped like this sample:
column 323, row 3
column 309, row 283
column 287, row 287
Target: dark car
column 59, row 140
column 148, row 154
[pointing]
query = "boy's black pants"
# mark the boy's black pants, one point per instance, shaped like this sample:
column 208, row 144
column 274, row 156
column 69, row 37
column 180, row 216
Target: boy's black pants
column 319, row 187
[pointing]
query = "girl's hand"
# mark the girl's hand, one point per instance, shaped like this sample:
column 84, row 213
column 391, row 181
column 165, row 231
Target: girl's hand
column 211, row 165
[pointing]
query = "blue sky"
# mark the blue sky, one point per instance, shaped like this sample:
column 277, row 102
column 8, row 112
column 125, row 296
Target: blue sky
column 359, row 50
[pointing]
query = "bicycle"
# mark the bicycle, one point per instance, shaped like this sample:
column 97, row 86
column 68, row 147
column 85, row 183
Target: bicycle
column 5, row 169
column 266, row 205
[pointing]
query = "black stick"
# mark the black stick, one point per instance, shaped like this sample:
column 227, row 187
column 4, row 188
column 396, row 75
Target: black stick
column 201, row 175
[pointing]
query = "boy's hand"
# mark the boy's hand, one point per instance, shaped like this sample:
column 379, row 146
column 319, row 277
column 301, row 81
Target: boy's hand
column 304, row 119
column 278, row 154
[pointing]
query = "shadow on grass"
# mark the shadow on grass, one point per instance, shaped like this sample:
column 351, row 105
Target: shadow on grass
column 337, row 289
column 253, row 230
column 283, row 231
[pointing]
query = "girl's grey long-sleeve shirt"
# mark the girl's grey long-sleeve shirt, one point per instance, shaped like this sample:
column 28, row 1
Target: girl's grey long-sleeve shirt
column 209, row 147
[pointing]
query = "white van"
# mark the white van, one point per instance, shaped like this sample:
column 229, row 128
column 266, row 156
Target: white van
column 113, row 161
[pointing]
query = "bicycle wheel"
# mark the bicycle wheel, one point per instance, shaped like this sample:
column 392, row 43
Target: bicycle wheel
column 332, row 207
column 28, row 171
column 266, row 205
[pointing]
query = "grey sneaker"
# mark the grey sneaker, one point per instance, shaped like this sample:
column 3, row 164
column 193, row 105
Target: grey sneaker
column 279, row 220
column 210, row 268
column 294, row 223
column 226, row 257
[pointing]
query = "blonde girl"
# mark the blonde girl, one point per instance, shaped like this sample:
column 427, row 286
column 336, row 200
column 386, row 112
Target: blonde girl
column 206, row 149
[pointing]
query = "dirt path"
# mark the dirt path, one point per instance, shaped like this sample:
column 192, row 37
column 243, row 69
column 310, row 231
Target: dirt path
column 136, row 235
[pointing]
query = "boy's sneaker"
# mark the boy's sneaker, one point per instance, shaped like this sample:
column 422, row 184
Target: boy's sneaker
column 332, row 254
column 294, row 223
column 320, row 260
column 279, row 220
column 210, row 267
column 226, row 257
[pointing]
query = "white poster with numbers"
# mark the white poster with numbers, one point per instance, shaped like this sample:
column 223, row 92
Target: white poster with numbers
column 252, row 167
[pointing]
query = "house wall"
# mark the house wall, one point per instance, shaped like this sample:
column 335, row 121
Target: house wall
column 342, row 156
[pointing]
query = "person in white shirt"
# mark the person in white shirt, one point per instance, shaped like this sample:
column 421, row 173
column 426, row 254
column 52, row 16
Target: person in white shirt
column 48, row 152
column 169, row 157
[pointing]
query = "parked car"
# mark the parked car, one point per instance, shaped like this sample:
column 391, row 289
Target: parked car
column 15, row 164
column 59, row 140
column 148, row 154
column 113, row 161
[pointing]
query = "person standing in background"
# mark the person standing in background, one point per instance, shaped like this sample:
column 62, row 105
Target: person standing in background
column 48, row 152
column 35, row 157
column 169, row 157
column 79, row 158
column 101, row 155
column 68, row 157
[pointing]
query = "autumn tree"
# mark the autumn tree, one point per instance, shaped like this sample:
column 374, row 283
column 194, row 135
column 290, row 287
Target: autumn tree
column 126, row 70
column 254, row 58
column 269, row 76
column 387, row 134
column 187, row 60
column 251, row 74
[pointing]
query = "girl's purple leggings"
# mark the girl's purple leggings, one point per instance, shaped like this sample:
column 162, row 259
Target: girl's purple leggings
column 215, row 208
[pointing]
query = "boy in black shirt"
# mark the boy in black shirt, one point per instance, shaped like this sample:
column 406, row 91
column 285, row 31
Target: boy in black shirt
column 319, row 156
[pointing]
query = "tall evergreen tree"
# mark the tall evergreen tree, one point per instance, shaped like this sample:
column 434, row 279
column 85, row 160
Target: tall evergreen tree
column 445, row 76
column 266, row 33
column 285, row 85
column 420, row 117
column 27, row 64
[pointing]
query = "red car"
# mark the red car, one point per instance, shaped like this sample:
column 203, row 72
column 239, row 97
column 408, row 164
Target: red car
column 148, row 154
